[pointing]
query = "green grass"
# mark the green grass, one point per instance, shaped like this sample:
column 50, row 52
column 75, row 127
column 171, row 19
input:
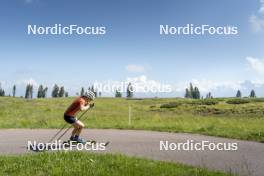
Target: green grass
column 83, row 163
column 240, row 121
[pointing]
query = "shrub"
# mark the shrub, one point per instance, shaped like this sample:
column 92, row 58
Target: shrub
column 237, row 101
column 203, row 102
column 208, row 102
column 170, row 105
column 257, row 99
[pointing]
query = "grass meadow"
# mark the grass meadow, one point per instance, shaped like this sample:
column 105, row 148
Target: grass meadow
column 231, row 118
column 83, row 163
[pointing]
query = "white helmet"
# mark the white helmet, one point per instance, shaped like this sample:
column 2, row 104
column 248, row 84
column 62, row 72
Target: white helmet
column 90, row 95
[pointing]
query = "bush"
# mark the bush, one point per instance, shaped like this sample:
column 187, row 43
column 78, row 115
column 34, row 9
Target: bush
column 256, row 99
column 208, row 102
column 237, row 101
column 204, row 102
column 170, row 105
column 192, row 102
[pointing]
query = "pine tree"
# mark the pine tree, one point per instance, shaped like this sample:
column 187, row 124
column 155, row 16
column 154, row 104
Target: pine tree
column 209, row 95
column 118, row 94
column 130, row 91
column 14, row 90
column 82, row 93
column 196, row 93
column 55, row 91
column 2, row 92
column 44, row 93
column 29, row 91
column 61, row 92
column 191, row 91
column 66, row 94
column 187, row 93
column 238, row 94
column 40, row 92
column 252, row 94
column 94, row 91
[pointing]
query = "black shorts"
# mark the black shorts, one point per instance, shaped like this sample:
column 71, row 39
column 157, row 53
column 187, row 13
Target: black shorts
column 69, row 119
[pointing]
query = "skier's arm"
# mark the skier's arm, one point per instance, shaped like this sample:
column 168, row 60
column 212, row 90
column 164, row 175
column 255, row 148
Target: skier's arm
column 84, row 105
column 84, row 108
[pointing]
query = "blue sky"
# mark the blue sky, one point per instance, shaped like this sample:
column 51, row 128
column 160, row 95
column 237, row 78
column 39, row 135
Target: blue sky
column 132, row 46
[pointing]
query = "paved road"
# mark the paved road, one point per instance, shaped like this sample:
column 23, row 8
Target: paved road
column 248, row 160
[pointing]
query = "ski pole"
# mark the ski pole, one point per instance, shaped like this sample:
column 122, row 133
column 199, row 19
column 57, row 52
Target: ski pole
column 63, row 128
column 71, row 126
column 57, row 133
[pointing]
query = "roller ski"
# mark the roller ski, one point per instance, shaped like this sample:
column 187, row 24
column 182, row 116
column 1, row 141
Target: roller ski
column 75, row 141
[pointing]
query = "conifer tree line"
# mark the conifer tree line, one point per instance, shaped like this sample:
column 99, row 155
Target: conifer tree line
column 129, row 92
column 92, row 89
column 59, row 91
column 192, row 92
column 42, row 92
column 251, row 95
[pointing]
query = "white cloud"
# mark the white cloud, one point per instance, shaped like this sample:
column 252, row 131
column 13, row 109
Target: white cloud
column 261, row 10
column 256, row 64
column 139, row 79
column 2, row 84
column 206, row 86
column 28, row 81
column 257, row 21
column 135, row 68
